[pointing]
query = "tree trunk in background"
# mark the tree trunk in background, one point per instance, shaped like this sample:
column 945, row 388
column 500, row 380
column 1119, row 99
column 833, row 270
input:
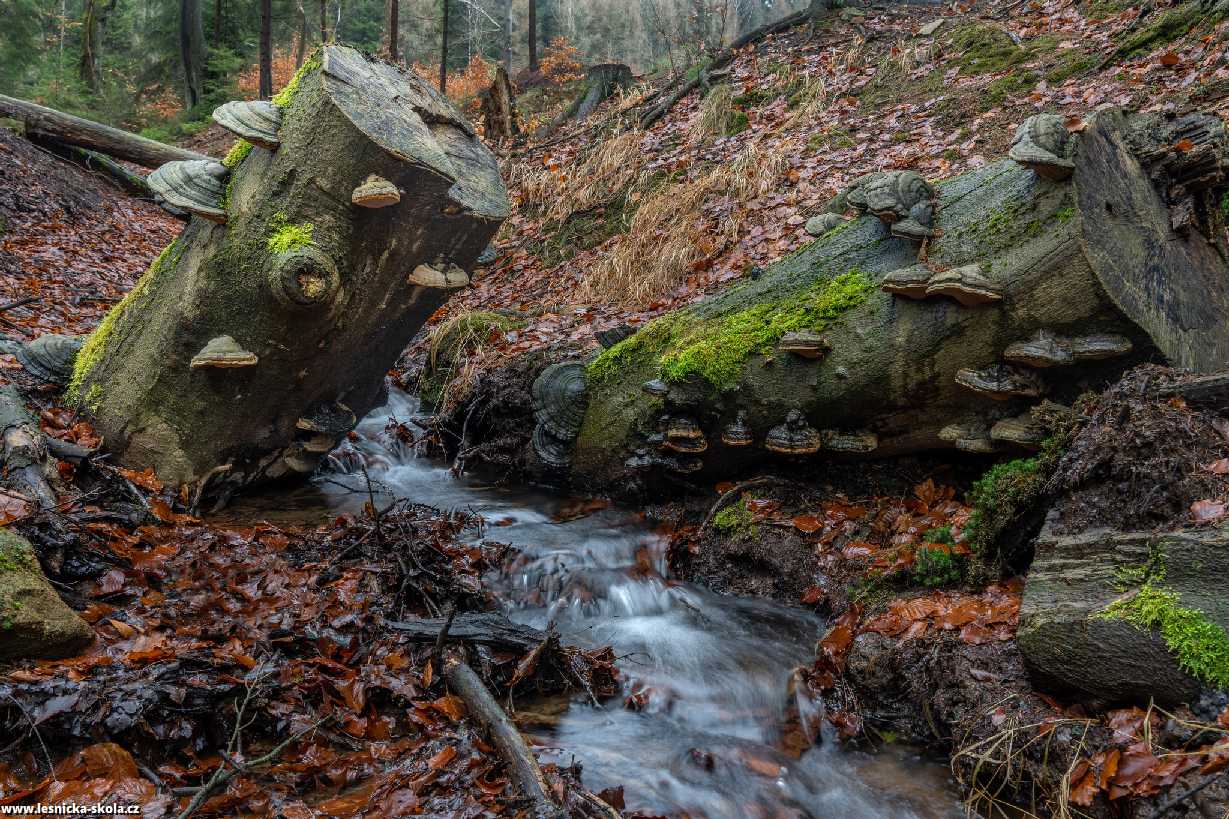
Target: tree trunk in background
column 322, row 295
column 533, row 35
column 507, row 33
column 191, row 50
column 266, row 49
column 1133, row 246
column 87, row 67
column 444, row 22
column 324, row 21
column 301, row 49
column 390, row 29
column 499, row 109
column 217, row 23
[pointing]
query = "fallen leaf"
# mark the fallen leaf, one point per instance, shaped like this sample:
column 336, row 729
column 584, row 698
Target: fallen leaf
column 1206, row 511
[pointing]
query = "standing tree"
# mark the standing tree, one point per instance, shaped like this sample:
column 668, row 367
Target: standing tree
column 217, row 23
column 300, row 50
column 390, row 30
column 444, row 46
column 192, row 49
column 266, row 49
column 88, row 67
column 324, row 21
column 533, row 35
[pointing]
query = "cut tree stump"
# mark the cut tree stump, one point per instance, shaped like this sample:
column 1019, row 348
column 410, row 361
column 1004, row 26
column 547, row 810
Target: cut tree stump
column 44, row 124
column 257, row 340
column 1032, row 289
column 601, row 83
column 499, row 116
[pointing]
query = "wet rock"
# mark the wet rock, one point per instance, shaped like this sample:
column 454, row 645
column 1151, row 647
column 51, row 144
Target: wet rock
column 34, row 621
column 1070, row 643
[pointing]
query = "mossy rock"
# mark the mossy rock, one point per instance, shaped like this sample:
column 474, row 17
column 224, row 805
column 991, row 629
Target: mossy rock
column 34, row 621
column 1128, row 617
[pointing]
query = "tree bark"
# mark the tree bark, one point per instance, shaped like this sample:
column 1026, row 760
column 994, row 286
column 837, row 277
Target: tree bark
column 390, row 29
column 324, row 22
column 46, row 123
column 300, row 50
column 444, row 46
column 322, row 295
column 533, row 35
column 1112, row 252
column 601, row 82
column 217, row 23
column 88, row 64
column 499, row 115
column 266, row 49
column 191, row 50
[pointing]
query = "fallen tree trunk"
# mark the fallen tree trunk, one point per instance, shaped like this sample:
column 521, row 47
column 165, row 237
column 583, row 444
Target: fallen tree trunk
column 867, row 343
column 47, row 124
column 131, row 183
column 256, row 340
column 692, row 79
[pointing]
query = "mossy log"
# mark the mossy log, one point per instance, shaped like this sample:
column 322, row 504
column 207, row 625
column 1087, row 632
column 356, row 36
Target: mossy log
column 1038, row 288
column 261, row 335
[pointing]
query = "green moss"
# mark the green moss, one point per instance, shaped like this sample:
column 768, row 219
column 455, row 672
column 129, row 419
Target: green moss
column 93, row 349
column 286, row 95
column 1065, row 214
column 935, row 565
column 1166, row 27
column 1013, row 84
column 93, row 398
column 940, row 534
column 1201, row 646
column 735, row 519
column 237, row 153
column 1070, row 63
column 15, row 554
column 754, row 98
column 1102, row 9
column 287, row 236
column 831, row 137
column 986, row 49
column 737, row 122
column 644, row 347
column 717, row 349
column 998, row 496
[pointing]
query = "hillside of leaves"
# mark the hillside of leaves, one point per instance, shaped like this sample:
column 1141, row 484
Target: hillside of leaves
column 614, row 224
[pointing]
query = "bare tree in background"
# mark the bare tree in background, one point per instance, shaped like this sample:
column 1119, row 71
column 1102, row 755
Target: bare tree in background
column 266, row 49
column 391, row 13
column 444, row 46
column 300, row 50
column 533, row 35
column 93, row 16
column 324, row 21
column 191, row 50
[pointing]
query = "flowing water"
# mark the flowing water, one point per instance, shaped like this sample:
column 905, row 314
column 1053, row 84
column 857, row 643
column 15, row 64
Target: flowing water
column 708, row 673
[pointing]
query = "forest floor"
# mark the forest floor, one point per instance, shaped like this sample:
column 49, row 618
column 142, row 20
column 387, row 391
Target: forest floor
column 194, row 620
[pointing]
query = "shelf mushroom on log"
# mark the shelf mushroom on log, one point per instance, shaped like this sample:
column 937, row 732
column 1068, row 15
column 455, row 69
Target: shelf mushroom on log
column 286, row 300
column 948, row 309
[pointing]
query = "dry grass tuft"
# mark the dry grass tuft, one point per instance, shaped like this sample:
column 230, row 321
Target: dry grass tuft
column 671, row 234
column 715, row 111
column 609, row 170
column 457, row 350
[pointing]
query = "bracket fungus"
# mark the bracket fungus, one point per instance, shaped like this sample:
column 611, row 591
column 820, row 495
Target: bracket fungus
column 1046, row 349
column 968, row 436
column 376, row 192
column 1002, row 381
column 737, row 433
column 560, row 398
column 794, row 437
column 613, row 335
column 223, row 353
column 903, row 200
column 256, row 121
column 966, row 285
column 1022, row 431
column 195, row 185
column 824, row 222
column 48, row 358
column 910, row 282
column 684, row 435
column 1043, row 143
column 804, row 344
column 441, row 276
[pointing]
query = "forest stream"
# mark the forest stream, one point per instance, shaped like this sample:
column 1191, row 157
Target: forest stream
column 706, row 674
